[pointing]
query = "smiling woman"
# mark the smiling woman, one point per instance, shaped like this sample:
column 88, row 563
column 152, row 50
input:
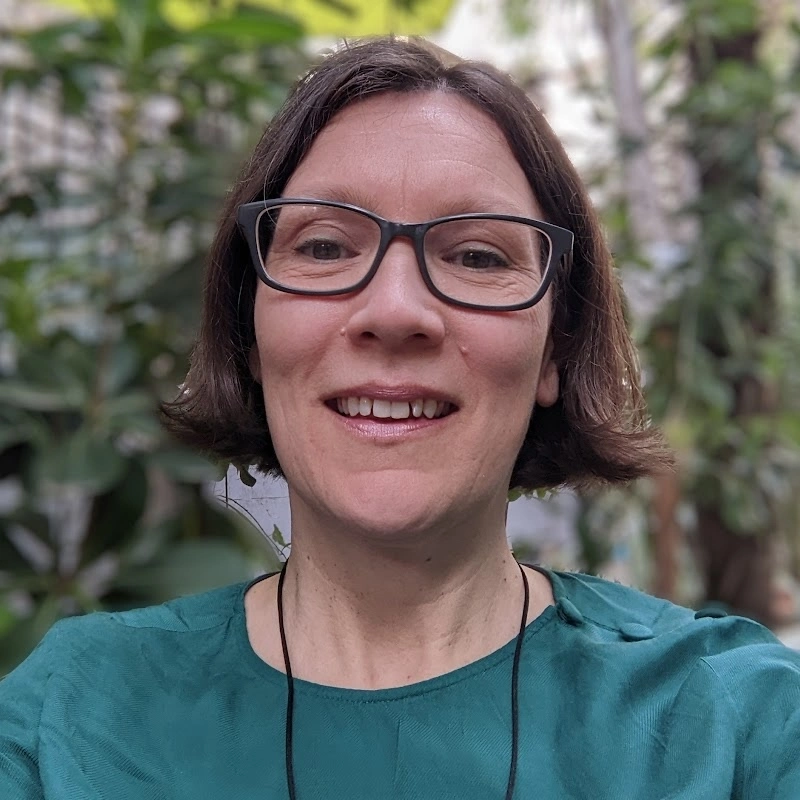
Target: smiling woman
column 409, row 309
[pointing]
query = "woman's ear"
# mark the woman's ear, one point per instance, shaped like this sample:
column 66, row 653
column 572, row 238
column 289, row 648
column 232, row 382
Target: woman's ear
column 547, row 388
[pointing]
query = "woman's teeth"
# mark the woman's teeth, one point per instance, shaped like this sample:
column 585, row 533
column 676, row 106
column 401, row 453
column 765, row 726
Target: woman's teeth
column 391, row 409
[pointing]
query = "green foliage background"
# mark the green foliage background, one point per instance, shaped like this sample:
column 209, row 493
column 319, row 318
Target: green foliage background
column 126, row 135
column 721, row 352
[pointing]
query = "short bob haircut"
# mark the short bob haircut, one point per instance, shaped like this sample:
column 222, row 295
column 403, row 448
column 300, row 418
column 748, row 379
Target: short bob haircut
column 596, row 432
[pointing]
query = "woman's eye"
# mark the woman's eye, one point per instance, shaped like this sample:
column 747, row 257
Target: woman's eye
column 322, row 250
column 481, row 259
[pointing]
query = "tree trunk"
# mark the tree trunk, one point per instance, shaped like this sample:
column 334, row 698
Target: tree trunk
column 653, row 238
column 738, row 570
column 738, row 565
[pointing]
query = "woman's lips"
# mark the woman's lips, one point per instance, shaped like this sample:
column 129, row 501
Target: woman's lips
column 388, row 429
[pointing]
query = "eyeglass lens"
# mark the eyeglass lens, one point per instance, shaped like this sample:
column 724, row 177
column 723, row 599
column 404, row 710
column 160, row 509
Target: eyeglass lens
column 309, row 247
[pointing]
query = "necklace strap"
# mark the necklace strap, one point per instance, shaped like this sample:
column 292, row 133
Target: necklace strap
column 512, row 772
column 289, row 725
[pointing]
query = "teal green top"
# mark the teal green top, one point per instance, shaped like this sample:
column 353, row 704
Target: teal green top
column 622, row 696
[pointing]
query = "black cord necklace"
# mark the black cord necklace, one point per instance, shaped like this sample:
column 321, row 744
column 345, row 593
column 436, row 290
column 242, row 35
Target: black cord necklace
column 512, row 772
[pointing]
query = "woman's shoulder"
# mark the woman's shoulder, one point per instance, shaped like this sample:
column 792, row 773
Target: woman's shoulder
column 191, row 613
column 631, row 615
column 693, row 687
column 694, row 653
column 116, row 667
column 104, row 637
column 188, row 614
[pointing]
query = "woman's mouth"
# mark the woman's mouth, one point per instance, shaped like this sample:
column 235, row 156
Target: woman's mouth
column 383, row 409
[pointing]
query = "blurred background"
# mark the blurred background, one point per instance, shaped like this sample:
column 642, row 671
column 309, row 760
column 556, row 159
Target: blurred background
column 123, row 122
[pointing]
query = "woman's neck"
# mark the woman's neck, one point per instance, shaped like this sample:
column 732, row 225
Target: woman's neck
column 375, row 617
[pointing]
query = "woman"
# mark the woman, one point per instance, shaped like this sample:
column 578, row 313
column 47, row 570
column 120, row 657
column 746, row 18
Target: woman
column 409, row 309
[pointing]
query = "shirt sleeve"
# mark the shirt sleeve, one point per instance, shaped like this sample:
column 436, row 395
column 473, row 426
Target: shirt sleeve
column 22, row 695
column 762, row 685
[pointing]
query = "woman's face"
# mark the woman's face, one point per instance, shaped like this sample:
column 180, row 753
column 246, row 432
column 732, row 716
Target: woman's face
column 409, row 158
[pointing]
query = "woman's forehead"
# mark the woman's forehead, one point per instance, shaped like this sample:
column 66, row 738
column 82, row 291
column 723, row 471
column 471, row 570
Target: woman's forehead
column 416, row 150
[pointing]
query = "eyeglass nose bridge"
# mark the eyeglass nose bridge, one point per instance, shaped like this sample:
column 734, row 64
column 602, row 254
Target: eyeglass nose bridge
column 415, row 231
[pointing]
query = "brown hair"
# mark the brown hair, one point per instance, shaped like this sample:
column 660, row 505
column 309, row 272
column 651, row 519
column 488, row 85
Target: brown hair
column 597, row 430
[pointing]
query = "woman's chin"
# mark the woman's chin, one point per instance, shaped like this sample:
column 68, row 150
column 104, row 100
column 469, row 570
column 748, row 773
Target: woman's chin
column 403, row 507
column 385, row 520
column 388, row 512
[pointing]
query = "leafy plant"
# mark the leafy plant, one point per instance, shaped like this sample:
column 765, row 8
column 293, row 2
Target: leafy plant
column 123, row 131
column 720, row 344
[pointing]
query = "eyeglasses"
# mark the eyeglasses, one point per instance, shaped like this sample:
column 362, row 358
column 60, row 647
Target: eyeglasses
column 492, row 262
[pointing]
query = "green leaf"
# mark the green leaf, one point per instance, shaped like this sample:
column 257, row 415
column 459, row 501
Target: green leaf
column 65, row 366
column 185, row 466
column 115, row 514
column 83, row 459
column 48, row 43
column 262, row 26
column 158, row 38
column 130, row 407
column 28, row 77
column 21, row 310
column 188, row 568
column 245, row 477
column 14, row 270
column 11, row 560
column 34, row 522
column 134, row 418
column 277, row 536
column 74, row 94
column 121, row 369
column 23, row 204
column 37, row 398
column 7, row 619
column 20, row 638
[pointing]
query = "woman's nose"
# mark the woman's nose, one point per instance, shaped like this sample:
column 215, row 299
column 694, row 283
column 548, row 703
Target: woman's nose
column 396, row 307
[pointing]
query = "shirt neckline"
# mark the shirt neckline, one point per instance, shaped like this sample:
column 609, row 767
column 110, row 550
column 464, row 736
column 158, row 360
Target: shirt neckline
column 263, row 670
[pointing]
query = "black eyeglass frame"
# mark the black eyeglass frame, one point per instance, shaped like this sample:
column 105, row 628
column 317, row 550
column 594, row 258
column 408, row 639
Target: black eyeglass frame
column 248, row 217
